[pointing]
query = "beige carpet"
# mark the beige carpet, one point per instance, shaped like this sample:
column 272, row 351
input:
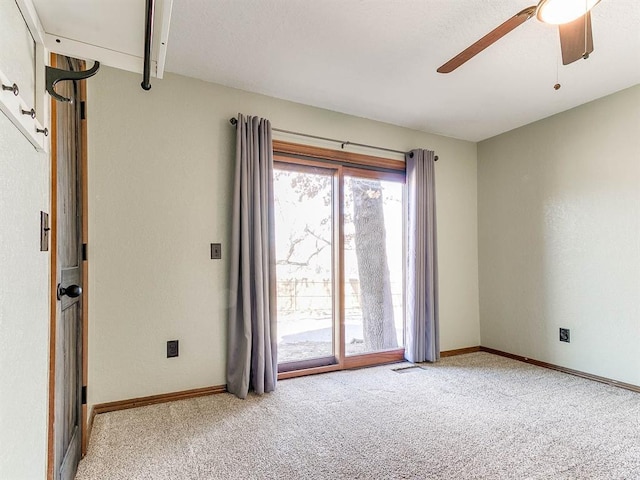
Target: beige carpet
column 471, row 416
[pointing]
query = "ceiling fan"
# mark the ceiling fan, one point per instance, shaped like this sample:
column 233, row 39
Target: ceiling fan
column 573, row 18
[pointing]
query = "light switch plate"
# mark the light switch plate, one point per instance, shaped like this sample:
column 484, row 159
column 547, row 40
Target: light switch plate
column 44, row 232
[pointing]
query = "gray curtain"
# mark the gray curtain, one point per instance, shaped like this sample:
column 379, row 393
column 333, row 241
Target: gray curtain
column 252, row 342
column 422, row 331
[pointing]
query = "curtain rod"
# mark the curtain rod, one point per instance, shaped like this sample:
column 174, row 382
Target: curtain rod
column 234, row 121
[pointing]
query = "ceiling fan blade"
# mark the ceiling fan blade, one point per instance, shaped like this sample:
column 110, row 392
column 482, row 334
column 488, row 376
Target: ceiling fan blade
column 576, row 39
column 489, row 39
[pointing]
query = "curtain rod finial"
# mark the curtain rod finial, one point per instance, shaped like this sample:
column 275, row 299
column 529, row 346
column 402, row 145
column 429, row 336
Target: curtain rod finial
column 233, row 121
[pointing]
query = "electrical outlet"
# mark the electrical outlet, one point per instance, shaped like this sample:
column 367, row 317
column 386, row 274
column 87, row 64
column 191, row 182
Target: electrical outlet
column 172, row 348
column 564, row 335
column 216, row 251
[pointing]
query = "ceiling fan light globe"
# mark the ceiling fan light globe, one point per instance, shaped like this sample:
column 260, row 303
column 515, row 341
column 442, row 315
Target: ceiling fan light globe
column 557, row 12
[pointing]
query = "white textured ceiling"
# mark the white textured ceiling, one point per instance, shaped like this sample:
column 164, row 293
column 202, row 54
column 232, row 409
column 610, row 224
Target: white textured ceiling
column 377, row 58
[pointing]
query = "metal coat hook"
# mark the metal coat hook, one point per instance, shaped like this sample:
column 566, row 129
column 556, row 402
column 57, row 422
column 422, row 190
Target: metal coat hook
column 55, row 75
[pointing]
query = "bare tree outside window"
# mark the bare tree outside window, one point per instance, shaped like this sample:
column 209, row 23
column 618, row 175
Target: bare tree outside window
column 370, row 241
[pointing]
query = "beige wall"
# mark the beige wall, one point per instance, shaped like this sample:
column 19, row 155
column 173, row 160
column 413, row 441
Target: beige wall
column 559, row 238
column 24, row 307
column 160, row 176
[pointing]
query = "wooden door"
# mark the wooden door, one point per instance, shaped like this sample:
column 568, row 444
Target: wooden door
column 67, row 323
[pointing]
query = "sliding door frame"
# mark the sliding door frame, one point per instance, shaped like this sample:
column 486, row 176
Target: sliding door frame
column 343, row 163
column 333, row 360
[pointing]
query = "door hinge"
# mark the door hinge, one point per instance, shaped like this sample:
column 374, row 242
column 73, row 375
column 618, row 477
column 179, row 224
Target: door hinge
column 83, row 110
column 84, row 252
column 84, row 395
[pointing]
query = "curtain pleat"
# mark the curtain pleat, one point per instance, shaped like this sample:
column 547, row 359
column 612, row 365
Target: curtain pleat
column 422, row 330
column 252, row 341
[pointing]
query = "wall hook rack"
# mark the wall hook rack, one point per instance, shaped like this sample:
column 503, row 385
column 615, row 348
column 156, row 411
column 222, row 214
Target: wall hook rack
column 55, row 75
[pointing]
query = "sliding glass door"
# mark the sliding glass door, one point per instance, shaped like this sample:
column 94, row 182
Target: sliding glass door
column 340, row 263
column 304, row 226
column 373, row 264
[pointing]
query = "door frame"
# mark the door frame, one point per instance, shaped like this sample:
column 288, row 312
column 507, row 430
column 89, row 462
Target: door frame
column 54, row 280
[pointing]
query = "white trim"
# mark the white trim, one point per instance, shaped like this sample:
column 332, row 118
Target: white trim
column 43, row 105
column 163, row 36
column 32, row 19
column 114, row 58
column 86, row 51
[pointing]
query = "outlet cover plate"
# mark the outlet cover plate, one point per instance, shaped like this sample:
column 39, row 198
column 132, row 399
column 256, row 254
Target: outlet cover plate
column 172, row 348
column 216, row 251
column 565, row 335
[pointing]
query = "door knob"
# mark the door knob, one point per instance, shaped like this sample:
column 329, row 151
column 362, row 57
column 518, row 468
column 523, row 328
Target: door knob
column 72, row 291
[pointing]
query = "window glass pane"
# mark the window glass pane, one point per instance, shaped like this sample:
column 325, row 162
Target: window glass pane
column 373, row 264
column 304, row 246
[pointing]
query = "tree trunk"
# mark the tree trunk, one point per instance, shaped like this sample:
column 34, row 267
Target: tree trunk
column 373, row 268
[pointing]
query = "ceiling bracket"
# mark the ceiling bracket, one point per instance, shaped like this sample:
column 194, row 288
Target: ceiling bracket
column 55, row 75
